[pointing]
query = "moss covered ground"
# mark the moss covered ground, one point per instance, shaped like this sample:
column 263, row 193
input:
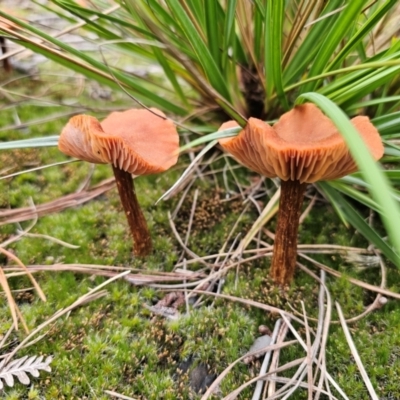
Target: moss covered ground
column 116, row 343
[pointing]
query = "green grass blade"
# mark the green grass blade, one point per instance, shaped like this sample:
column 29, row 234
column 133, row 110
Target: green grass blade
column 333, row 37
column 169, row 73
column 211, row 137
column 388, row 124
column 48, row 141
column 113, row 20
column 82, row 14
column 204, row 56
column 348, row 96
column 392, row 154
column 353, row 73
column 362, row 32
column 361, row 51
column 355, row 194
column 155, row 18
column 213, row 33
column 374, row 102
column 260, row 7
column 198, row 11
column 258, row 35
column 141, row 9
column 355, row 219
column 311, row 44
column 137, row 90
column 273, row 49
column 356, row 179
column 393, row 175
column 229, row 32
column 379, row 186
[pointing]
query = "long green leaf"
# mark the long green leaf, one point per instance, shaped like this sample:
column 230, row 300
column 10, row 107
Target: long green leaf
column 229, row 32
column 355, row 219
column 258, row 34
column 169, row 73
column 362, row 32
column 211, row 11
column 374, row 102
column 260, row 7
column 311, row 44
column 354, row 194
column 114, row 20
column 392, row 154
column 273, row 49
column 48, row 141
column 145, row 9
column 96, row 27
column 204, row 56
column 387, row 124
column 365, row 86
column 198, row 10
column 333, row 37
column 353, row 73
column 378, row 184
column 135, row 89
column 211, row 137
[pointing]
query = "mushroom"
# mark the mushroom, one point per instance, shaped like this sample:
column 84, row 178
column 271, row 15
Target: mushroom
column 303, row 147
column 138, row 142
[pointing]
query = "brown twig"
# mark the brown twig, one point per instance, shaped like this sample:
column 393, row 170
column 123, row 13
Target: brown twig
column 108, row 271
column 70, row 200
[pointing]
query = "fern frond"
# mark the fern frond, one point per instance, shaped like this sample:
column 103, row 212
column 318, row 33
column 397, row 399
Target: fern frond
column 21, row 367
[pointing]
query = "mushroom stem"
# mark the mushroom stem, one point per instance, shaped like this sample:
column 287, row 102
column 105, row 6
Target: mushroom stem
column 285, row 245
column 136, row 220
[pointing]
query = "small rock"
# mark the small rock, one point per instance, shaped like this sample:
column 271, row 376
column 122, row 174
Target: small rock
column 259, row 344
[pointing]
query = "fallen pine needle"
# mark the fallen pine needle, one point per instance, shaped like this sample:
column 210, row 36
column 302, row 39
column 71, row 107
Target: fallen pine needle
column 10, row 299
column 118, row 395
column 355, row 354
column 22, row 265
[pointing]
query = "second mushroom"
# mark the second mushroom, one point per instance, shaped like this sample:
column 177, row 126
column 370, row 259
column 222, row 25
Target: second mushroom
column 138, row 142
column 303, row 147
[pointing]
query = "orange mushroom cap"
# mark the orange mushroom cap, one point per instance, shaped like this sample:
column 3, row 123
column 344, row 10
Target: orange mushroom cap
column 303, row 145
column 137, row 141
